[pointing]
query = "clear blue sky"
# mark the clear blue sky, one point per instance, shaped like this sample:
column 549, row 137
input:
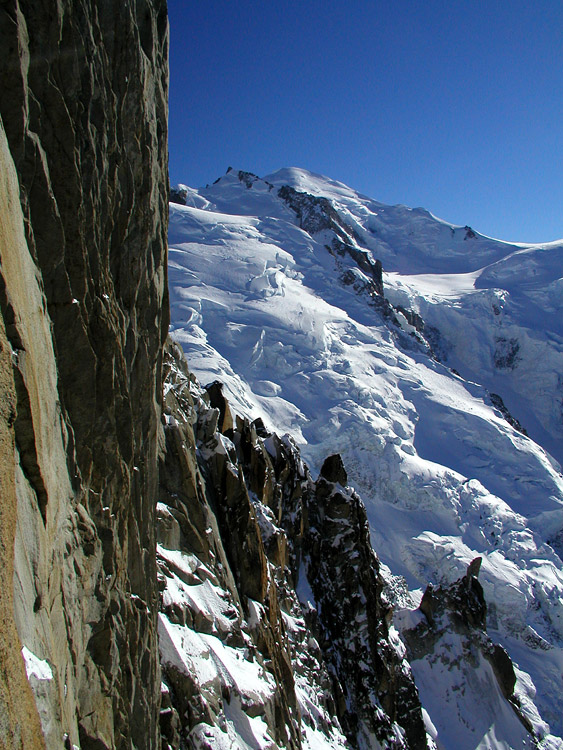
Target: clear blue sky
column 455, row 106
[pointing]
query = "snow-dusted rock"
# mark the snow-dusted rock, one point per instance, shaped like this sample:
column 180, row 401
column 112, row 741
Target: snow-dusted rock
column 273, row 628
column 466, row 681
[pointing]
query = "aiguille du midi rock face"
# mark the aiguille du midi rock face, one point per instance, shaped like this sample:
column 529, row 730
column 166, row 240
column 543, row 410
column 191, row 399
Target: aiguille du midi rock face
column 173, row 575
column 84, row 304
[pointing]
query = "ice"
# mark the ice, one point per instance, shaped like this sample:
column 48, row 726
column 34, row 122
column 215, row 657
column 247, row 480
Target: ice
column 43, row 685
column 257, row 303
column 463, row 703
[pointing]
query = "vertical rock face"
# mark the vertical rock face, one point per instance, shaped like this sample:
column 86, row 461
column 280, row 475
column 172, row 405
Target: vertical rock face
column 84, row 303
column 19, row 723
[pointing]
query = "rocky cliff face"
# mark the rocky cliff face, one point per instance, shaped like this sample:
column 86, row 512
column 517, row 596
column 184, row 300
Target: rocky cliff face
column 83, row 298
column 19, row 723
column 274, row 630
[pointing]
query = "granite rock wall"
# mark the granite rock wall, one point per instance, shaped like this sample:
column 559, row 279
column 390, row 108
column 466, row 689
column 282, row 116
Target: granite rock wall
column 84, row 303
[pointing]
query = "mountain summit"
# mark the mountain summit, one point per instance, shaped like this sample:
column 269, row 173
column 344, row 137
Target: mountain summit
column 429, row 357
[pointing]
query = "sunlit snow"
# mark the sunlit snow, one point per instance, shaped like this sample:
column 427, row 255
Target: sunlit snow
column 256, row 303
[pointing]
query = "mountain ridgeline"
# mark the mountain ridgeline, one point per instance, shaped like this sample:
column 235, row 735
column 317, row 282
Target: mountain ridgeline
column 298, row 295
column 184, row 561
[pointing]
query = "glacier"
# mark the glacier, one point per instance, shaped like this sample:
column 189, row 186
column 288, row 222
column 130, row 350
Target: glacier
column 439, row 382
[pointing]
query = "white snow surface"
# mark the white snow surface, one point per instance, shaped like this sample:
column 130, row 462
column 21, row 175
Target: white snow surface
column 36, row 667
column 256, row 303
column 452, row 687
column 42, row 682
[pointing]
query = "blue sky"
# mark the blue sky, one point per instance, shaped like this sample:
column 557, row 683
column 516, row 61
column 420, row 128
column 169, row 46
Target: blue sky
column 455, row 106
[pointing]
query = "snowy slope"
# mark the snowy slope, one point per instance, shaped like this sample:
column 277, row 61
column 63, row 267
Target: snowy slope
column 289, row 327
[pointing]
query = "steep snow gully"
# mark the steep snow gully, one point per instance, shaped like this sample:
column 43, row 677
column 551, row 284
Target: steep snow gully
column 429, row 357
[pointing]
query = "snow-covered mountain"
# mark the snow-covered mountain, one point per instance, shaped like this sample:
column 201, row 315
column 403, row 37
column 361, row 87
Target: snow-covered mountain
column 431, row 358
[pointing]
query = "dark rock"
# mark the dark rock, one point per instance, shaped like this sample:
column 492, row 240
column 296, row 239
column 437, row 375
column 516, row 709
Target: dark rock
column 259, row 427
column 169, row 720
column 178, row 195
column 247, row 178
column 503, row 669
column 373, row 270
column 218, row 401
column 413, row 318
column 333, row 470
column 473, row 568
column 498, row 403
column 506, row 353
column 380, row 696
column 429, row 604
column 316, row 214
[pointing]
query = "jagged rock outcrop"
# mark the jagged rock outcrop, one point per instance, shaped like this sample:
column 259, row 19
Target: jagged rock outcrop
column 249, row 178
column 84, row 302
column 220, row 600
column 315, row 215
column 499, row 404
column 273, row 620
column 178, row 195
column 506, row 353
column 379, row 698
column 448, row 646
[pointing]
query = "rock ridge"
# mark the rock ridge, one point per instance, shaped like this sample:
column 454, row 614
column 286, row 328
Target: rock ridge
column 452, row 633
column 296, row 586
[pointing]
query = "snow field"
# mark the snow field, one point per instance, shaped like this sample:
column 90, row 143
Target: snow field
column 256, row 303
